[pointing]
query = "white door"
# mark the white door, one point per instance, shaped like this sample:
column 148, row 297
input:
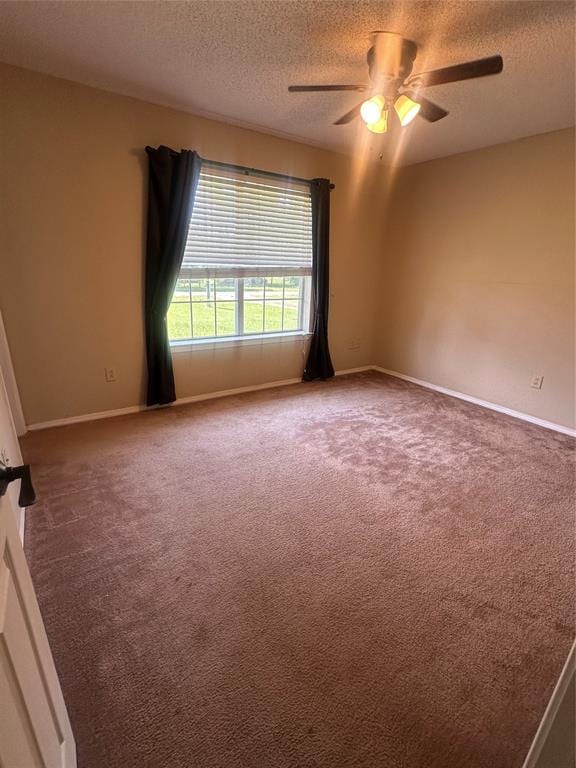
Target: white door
column 34, row 726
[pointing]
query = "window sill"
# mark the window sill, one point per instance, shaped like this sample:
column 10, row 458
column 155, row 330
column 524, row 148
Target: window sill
column 189, row 345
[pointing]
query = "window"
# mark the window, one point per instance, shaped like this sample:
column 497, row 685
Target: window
column 247, row 261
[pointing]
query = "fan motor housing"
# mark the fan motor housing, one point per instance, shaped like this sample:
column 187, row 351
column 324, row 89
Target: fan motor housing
column 390, row 59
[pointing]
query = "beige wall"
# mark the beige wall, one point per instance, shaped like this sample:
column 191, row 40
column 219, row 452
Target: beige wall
column 72, row 187
column 465, row 280
column 478, row 275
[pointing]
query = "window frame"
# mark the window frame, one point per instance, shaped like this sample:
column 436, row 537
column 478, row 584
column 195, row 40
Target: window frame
column 305, row 316
column 240, row 275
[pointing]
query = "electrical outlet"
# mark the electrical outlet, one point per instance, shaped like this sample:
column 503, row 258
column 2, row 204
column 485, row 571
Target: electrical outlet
column 110, row 375
column 536, row 382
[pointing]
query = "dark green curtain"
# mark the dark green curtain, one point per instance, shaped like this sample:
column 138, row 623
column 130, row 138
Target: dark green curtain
column 318, row 365
column 172, row 182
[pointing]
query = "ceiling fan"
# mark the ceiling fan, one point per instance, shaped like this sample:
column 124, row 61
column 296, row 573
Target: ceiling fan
column 390, row 61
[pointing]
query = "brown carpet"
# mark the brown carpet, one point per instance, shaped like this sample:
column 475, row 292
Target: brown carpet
column 360, row 573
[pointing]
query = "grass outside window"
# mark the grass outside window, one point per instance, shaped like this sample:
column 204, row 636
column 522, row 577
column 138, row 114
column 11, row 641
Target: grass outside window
column 223, row 307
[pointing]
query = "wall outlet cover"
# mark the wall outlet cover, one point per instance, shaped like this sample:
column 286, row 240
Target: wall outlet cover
column 536, row 382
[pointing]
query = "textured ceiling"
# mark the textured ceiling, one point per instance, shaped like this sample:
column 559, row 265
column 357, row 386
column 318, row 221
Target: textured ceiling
column 234, row 60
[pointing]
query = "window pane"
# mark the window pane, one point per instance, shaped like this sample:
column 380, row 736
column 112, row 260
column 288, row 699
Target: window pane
column 203, row 319
column 226, row 288
column 292, row 287
column 274, row 287
column 182, row 291
column 179, row 321
column 273, row 313
column 202, row 290
column 270, row 305
column 253, row 316
column 254, row 288
column 226, row 318
column 291, row 315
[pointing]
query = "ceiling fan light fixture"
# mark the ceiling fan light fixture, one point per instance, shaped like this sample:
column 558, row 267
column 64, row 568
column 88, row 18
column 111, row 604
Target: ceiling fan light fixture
column 390, row 59
column 381, row 126
column 371, row 110
column 406, row 109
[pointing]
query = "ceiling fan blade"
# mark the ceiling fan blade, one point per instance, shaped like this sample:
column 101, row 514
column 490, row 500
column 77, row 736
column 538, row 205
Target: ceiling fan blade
column 349, row 116
column 428, row 110
column 493, row 65
column 314, row 88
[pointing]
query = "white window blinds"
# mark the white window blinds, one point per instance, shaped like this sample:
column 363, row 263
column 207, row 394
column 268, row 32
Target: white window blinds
column 248, row 226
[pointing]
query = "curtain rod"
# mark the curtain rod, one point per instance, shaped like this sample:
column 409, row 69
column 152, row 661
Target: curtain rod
column 256, row 171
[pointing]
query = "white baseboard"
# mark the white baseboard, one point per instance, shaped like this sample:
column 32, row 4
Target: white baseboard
column 85, row 417
column 360, row 369
column 180, row 401
column 477, row 401
column 284, row 382
column 138, row 408
column 236, row 391
column 568, row 671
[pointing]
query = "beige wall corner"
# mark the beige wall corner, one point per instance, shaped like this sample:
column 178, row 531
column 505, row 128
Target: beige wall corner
column 478, row 275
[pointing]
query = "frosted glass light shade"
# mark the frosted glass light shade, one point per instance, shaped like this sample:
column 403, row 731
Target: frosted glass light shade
column 371, row 109
column 406, row 109
column 380, row 126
